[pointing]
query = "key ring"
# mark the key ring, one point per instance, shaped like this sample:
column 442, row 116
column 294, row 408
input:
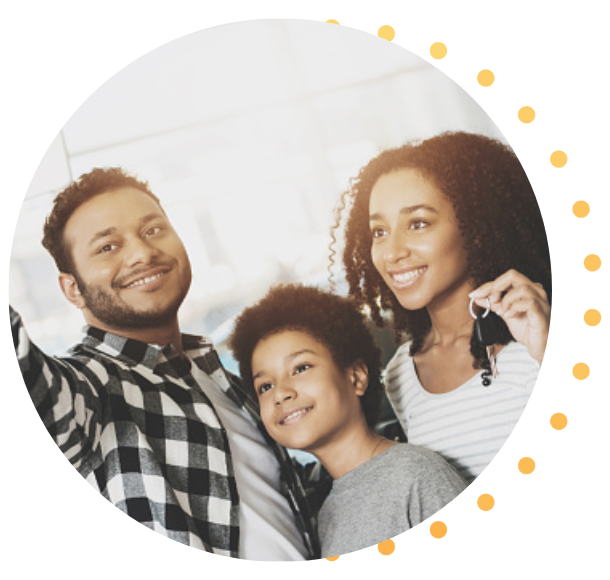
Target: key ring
column 486, row 312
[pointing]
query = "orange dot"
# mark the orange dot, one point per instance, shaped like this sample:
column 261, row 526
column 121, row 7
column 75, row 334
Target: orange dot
column 386, row 32
column 526, row 114
column 332, row 558
column 559, row 421
column 438, row 50
column 581, row 371
column 593, row 262
column 558, row 158
column 527, row 465
column 486, row 502
column 438, row 529
column 593, row 317
column 581, row 209
column 386, row 548
column 332, row 22
column 486, row 78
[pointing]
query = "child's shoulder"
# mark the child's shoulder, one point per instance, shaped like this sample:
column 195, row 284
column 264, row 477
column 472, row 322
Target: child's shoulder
column 415, row 457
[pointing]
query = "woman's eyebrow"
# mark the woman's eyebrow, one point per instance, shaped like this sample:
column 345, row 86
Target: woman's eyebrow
column 409, row 209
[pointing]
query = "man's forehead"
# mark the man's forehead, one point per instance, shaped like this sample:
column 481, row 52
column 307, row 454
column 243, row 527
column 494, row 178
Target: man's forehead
column 114, row 210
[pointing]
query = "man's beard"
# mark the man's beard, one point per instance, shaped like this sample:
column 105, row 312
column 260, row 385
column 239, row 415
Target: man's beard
column 114, row 313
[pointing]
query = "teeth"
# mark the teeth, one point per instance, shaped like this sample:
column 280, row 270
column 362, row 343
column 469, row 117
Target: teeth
column 295, row 415
column 406, row 276
column 144, row 280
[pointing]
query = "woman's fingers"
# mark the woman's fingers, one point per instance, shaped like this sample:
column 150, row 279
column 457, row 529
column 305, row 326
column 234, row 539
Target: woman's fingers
column 524, row 294
column 496, row 289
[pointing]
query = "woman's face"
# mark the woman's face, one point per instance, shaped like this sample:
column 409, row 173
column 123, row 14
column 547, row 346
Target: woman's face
column 416, row 244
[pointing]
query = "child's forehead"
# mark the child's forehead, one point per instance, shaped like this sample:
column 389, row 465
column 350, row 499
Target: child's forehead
column 287, row 341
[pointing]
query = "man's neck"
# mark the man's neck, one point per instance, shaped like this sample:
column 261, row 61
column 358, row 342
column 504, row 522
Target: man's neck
column 160, row 335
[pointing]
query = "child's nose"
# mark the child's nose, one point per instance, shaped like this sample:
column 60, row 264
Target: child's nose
column 283, row 393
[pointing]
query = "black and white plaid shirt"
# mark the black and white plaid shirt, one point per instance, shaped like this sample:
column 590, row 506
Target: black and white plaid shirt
column 132, row 420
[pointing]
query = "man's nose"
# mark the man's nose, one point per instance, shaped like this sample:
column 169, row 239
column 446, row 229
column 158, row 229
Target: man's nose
column 139, row 251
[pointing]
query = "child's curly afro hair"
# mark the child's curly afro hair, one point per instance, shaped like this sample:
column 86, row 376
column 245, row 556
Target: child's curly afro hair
column 332, row 320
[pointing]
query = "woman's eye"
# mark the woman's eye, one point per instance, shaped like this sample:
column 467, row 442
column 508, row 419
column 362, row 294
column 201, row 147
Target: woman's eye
column 418, row 224
column 378, row 233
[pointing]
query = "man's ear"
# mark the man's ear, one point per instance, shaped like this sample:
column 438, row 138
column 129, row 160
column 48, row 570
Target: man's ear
column 70, row 288
column 359, row 374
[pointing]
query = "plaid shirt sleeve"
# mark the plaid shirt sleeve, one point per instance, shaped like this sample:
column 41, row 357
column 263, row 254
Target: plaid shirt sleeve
column 133, row 421
column 66, row 399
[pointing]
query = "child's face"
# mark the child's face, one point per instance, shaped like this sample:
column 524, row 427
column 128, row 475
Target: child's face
column 306, row 400
column 416, row 243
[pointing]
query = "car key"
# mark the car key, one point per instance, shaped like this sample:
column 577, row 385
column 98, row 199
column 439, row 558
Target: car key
column 486, row 333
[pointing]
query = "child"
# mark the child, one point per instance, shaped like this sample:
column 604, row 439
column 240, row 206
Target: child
column 309, row 359
column 436, row 229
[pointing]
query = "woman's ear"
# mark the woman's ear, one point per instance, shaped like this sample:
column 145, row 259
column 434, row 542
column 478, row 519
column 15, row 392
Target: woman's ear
column 359, row 374
column 69, row 287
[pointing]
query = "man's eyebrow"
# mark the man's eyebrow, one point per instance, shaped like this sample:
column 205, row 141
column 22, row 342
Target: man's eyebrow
column 112, row 229
column 102, row 234
column 409, row 209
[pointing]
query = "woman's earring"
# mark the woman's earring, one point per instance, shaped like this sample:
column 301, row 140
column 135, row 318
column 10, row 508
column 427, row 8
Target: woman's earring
column 487, row 335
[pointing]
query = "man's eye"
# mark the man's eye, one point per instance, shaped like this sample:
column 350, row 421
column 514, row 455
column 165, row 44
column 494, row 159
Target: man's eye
column 153, row 231
column 106, row 248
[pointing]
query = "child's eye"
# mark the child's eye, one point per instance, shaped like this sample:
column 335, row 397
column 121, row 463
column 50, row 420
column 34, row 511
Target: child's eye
column 264, row 388
column 152, row 231
column 300, row 368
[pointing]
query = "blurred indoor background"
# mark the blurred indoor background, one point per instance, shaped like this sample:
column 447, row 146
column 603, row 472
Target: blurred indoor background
column 248, row 133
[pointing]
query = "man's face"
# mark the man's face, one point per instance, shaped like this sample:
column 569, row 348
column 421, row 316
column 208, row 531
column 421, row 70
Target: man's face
column 130, row 266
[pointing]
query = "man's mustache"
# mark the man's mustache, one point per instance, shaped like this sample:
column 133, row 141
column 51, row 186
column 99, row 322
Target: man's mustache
column 141, row 272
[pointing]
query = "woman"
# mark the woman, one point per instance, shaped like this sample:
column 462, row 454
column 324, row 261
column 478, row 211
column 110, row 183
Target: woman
column 432, row 226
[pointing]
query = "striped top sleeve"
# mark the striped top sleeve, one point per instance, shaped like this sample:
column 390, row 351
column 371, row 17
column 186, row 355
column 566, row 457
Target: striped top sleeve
column 469, row 424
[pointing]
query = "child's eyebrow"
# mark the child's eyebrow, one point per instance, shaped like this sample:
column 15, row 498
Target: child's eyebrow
column 288, row 358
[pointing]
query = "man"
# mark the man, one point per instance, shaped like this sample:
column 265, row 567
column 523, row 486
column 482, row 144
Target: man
column 146, row 414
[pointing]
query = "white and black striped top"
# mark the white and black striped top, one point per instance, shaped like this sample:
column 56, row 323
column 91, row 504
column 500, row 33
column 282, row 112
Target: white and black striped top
column 469, row 424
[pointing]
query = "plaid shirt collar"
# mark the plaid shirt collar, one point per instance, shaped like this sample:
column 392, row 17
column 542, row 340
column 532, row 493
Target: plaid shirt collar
column 133, row 352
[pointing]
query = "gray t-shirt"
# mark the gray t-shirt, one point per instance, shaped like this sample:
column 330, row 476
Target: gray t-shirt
column 384, row 497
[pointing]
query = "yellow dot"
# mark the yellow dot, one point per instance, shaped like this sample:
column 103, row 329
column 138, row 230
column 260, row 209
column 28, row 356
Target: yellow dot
column 486, row 502
column 386, row 32
column 486, row 78
column 438, row 529
column 580, row 371
column 332, row 558
column 438, row 50
column 526, row 114
column 386, row 548
column 558, row 158
column 581, row 209
column 593, row 317
column 332, row 22
column 527, row 465
column 559, row 421
column 593, row 262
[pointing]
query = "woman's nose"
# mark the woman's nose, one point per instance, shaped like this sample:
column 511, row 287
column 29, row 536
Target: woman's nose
column 396, row 247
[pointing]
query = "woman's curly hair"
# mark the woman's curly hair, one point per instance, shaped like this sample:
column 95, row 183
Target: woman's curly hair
column 332, row 320
column 497, row 213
